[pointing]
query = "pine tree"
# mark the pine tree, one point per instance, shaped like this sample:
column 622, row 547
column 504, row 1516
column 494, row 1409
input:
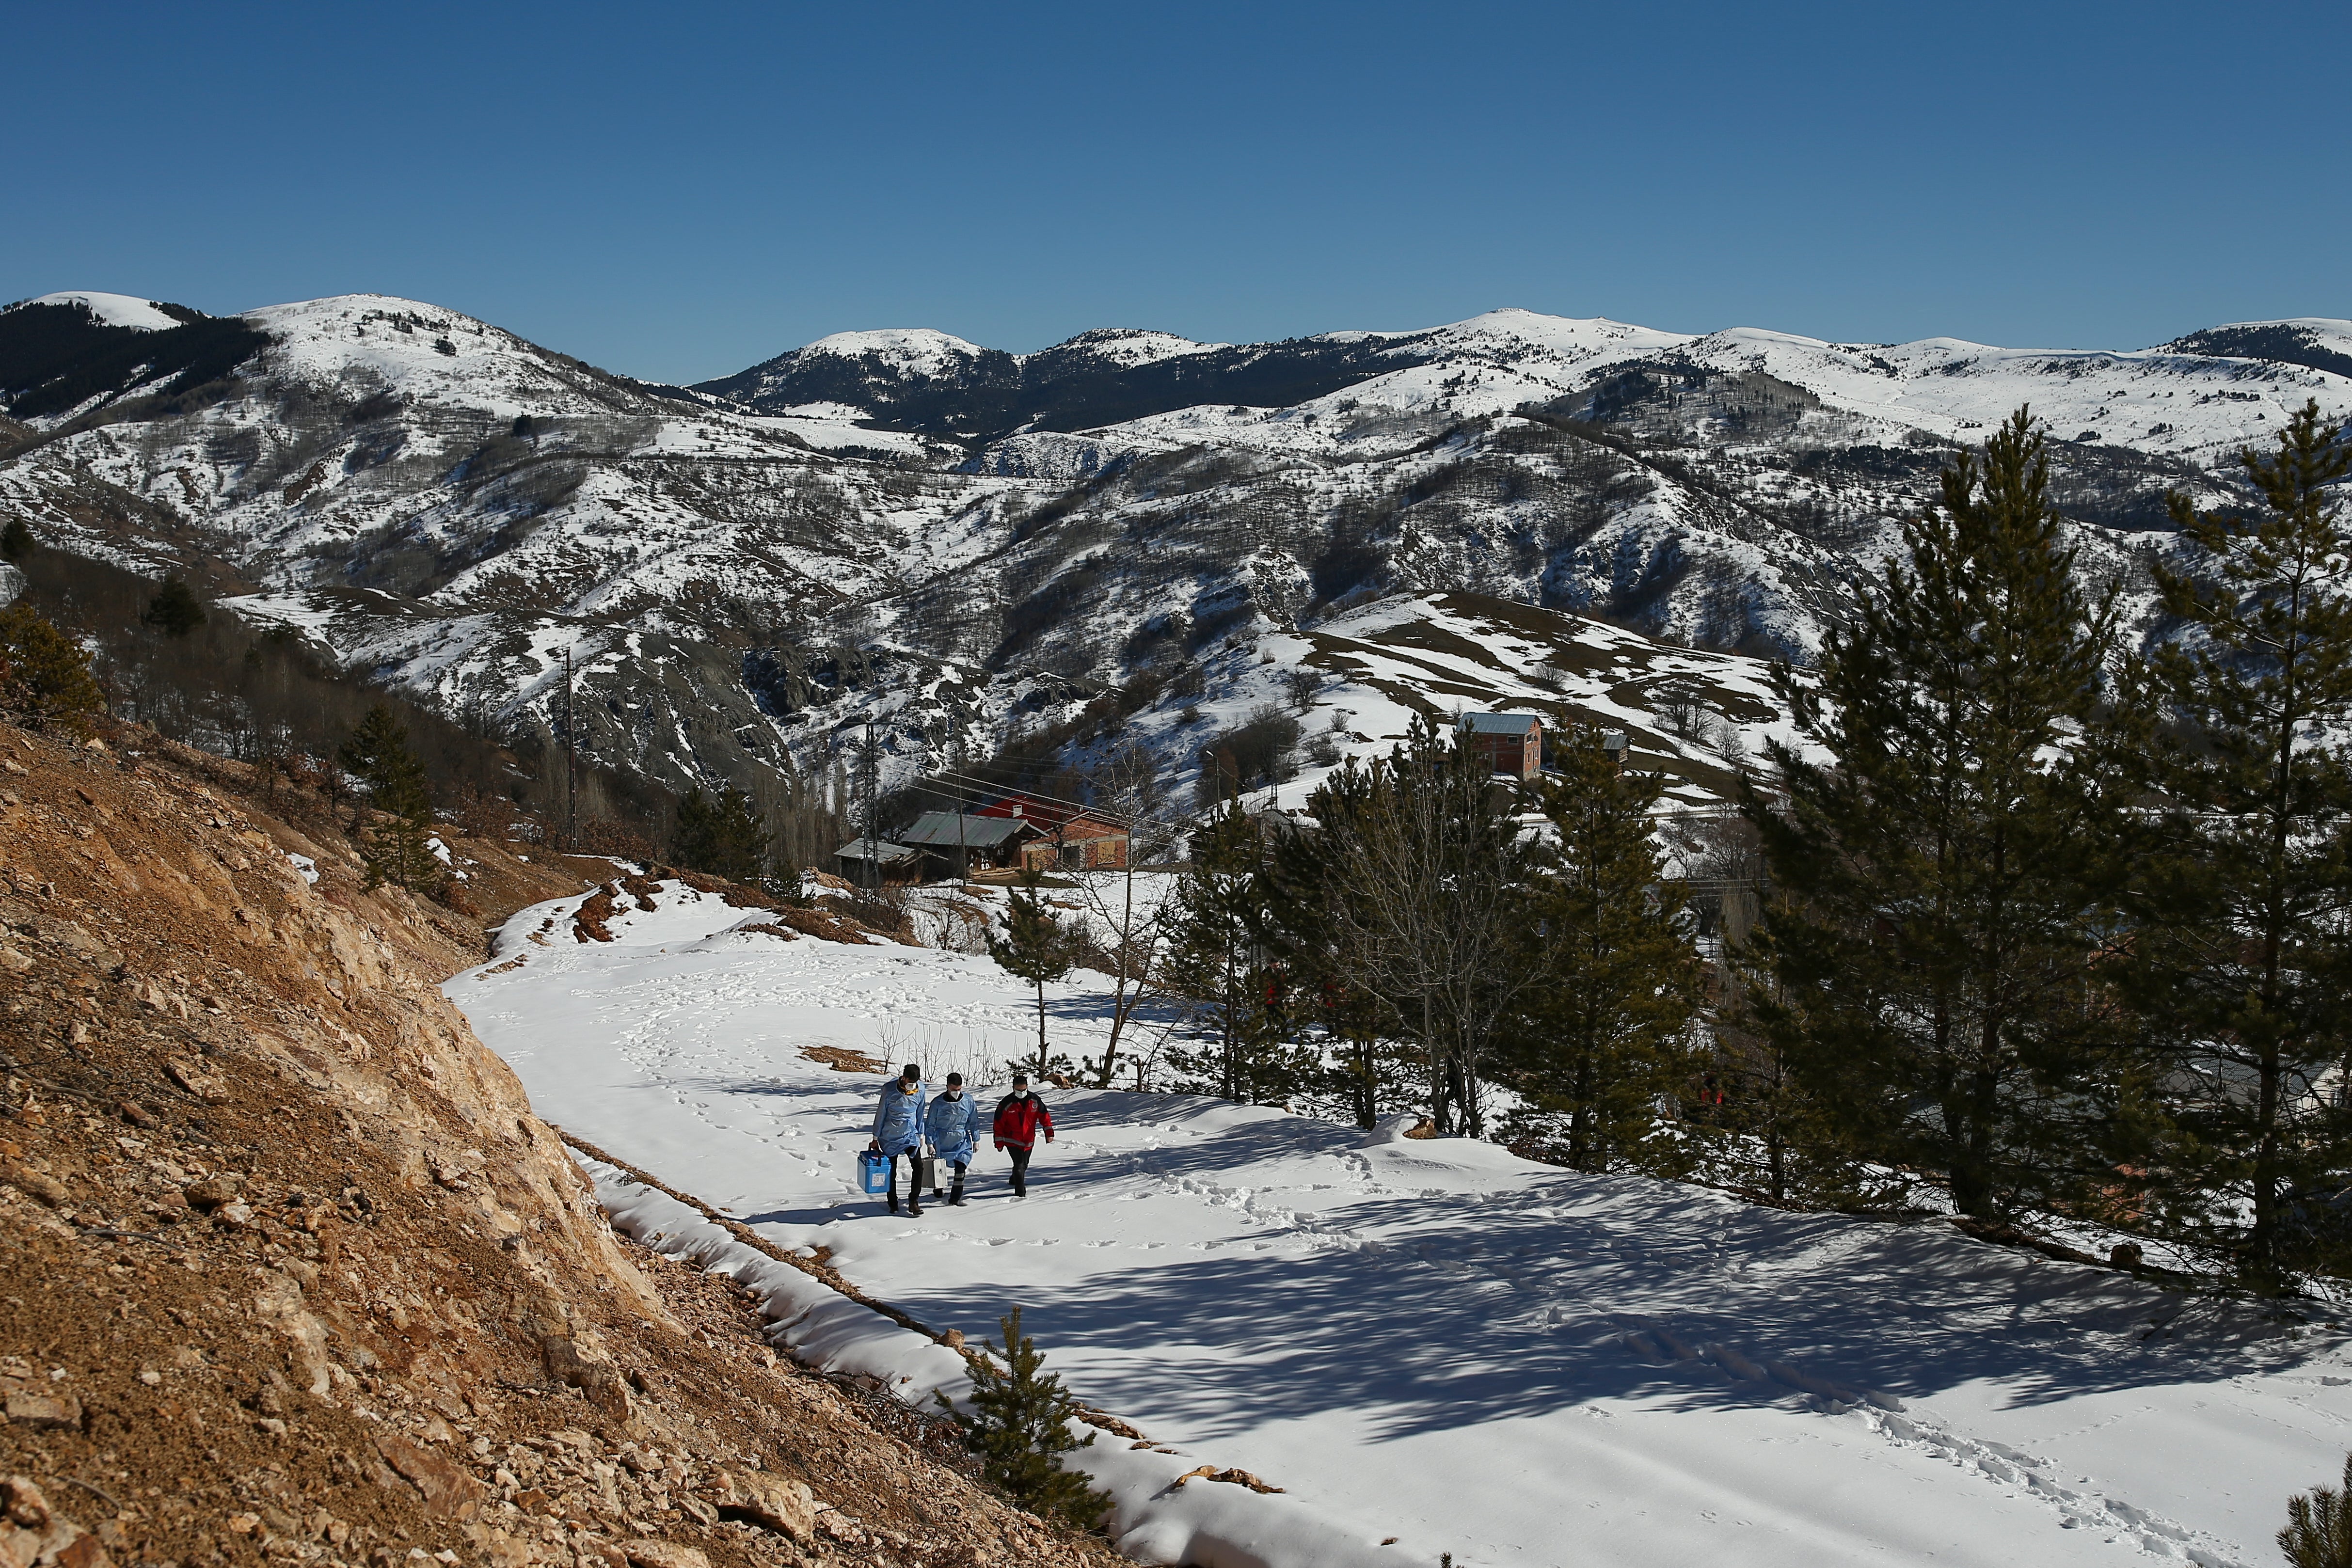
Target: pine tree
column 722, row 834
column 1604, row 1030
column 377, row 748
column 15, row 541
column 1236, row 1046
column 45, row 675
column 175, row 610
column 1937, row 915
column 395, row 844
column 1020, row 1427
column 2244, row 956
column 1035, row 948
column 2319, row 1533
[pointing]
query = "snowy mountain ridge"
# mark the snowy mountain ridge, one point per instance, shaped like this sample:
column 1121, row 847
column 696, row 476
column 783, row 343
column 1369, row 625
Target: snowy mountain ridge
column 112, row 310
column 1943, row 387
column 1128, row 539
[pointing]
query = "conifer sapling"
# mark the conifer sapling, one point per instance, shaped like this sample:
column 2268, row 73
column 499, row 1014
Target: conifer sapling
column 398, row 848
column 1020, row 1427
column 2319, row 1533
column 1034, row 948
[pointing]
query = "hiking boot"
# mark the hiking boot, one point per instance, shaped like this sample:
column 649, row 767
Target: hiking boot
column 913, row 1208
column 894, row 1203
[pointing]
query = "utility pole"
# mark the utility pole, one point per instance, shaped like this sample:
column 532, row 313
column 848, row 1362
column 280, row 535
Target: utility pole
column 869, row 764
column 571, row 761
column 963, row 850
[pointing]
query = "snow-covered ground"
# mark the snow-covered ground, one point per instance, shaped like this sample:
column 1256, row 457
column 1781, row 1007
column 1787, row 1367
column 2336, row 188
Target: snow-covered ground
column 1429, row 1340
column 112, row 310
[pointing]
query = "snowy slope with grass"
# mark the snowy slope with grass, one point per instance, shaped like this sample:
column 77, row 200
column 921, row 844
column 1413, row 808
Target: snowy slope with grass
column 1431, row 1341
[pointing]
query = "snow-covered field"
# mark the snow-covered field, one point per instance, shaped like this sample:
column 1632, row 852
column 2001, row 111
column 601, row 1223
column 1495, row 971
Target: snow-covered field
column 1431, row 1340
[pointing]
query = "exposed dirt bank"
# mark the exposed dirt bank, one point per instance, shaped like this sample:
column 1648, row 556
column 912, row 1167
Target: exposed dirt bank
column 289, row 1271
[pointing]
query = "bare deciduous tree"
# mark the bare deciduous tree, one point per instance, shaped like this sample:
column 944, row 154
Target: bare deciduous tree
column 1424, row 868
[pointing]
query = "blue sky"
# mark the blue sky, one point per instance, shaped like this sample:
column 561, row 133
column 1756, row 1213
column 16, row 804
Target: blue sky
column 679, row 191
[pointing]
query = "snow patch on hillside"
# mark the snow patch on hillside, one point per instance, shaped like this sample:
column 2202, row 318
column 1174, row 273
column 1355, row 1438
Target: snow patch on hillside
column 112, row 310
column 906, row 350
column 1130, row 345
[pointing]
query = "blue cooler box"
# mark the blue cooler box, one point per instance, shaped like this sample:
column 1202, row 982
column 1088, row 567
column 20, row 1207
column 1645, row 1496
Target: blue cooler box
column 874, row 1171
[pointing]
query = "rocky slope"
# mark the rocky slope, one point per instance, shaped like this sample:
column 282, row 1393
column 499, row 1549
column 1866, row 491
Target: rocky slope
column 291, row 1273
column 967, row 548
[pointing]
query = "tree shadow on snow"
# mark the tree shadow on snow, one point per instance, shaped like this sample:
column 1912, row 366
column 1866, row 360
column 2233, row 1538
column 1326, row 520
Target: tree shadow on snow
column 1469, row 1309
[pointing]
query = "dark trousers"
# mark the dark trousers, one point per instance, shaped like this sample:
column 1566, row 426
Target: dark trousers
column 1020, row 1169
column 914, row 1186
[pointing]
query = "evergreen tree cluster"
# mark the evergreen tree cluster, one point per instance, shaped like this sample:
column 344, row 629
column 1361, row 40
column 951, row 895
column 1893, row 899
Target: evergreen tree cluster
column 1418, row 945
column 2052, row 925
column 722, row 834
column 2061, row 928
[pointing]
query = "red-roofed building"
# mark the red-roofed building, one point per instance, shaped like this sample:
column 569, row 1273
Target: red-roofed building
column 1068, row 840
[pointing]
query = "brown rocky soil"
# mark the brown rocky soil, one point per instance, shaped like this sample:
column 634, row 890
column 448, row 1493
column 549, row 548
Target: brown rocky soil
column 289, row 1272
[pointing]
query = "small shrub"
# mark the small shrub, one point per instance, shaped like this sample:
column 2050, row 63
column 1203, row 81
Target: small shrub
column 622, row 841
column 45, row 675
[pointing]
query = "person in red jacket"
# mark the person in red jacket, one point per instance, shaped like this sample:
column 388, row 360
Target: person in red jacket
column 1019, row 1117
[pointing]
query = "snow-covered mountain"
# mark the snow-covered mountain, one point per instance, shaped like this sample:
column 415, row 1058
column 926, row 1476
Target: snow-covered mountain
column 2191, row 397
column 1126, row 537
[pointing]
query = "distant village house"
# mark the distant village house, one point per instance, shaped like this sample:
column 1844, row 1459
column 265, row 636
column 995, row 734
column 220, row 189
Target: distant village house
column 1068, row 839
column 1009, row 835
column 1511, row 744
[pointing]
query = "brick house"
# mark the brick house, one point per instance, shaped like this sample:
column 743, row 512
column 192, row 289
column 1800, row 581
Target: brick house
column 1510, row 743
